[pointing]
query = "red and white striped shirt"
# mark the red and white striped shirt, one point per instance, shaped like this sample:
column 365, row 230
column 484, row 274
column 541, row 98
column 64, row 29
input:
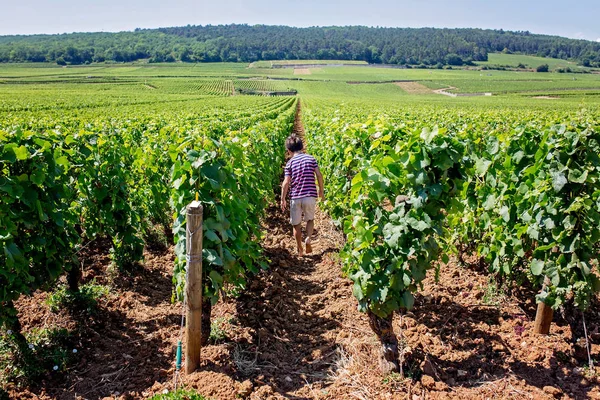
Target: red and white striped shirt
column 301, row 168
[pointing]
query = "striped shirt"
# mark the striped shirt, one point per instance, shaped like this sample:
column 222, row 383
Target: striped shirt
column 301, row 168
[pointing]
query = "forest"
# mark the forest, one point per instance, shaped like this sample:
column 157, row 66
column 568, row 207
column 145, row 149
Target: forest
column 249, row 43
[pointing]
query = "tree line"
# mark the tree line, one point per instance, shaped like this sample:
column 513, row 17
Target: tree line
column 249, row 43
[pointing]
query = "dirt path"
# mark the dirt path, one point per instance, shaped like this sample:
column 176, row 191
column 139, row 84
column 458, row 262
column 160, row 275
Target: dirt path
column 445, row 92
column 298, row 128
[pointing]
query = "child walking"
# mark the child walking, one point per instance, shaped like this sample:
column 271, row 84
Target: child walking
column 300, row 173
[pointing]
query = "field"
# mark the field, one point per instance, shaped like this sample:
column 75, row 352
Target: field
column 271, row 64
column 444, row 217
column 530, row 62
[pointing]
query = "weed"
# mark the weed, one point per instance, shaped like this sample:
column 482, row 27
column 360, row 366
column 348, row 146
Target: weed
column 48, row 350
column 394, row 377
column 218, row 329
column 493, row 295
column 86, row 299
column 180, row 394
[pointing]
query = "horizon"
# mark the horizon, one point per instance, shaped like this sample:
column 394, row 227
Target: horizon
column 550, row 17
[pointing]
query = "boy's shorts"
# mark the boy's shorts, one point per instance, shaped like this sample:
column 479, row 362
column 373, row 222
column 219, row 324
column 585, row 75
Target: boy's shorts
column 306, row 206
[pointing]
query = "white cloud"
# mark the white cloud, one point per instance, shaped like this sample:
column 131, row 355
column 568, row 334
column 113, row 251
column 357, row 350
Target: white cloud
column 598, row 40
column 579, row 35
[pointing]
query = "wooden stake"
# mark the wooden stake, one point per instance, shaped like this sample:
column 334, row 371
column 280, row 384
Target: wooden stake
column 543, row 319
column 193, row 287
column 543, row 316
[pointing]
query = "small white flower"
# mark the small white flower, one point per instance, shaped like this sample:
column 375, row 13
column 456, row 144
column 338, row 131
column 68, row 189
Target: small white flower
column 9, row 332
column 165, row 391
column 31, row 346
column 74, row 350
column 55, row 368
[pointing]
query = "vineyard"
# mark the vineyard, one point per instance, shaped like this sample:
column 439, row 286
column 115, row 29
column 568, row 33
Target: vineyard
column 456, row 252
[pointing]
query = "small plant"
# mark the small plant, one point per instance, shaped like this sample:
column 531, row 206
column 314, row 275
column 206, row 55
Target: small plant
column 218, row 329
column 394, row 377
column 493, row 295
column 48, row 350
column 86, row 299
column 180, row 394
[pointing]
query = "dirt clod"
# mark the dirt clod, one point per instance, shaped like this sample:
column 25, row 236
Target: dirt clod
column 245, row 389
column 552, row 391
column 428, row 382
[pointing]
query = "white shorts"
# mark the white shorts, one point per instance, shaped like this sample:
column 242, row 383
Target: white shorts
column 306, row 206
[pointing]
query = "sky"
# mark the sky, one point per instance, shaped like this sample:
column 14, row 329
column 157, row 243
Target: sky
column 577, row 20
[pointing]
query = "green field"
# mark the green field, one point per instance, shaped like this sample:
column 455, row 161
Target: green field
column 530, row 62
column 270, row 64
column 30, row 86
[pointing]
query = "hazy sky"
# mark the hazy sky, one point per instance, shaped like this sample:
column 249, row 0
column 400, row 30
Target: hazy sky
column 576, row 19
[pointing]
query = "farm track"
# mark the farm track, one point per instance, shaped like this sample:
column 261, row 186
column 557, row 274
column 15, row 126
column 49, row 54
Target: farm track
column 295, row 333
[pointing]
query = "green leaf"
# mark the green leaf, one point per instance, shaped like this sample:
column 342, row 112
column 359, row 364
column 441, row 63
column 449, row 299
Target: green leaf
column 212, row 236
column 216, row 278
column 21, row 153
column 577, row 176
column 408, row 299
column 537, row 266
column 62, row 161
column 427, row 135
column 558, row 180
column 38, row 176
column 211, row 257
column 481, row 166
column 505, row 213
column 489, row 202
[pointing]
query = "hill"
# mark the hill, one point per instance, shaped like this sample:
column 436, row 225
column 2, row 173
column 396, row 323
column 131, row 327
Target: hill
column 245, row 43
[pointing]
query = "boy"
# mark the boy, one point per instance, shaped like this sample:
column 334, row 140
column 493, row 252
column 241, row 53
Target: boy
column 300, row 172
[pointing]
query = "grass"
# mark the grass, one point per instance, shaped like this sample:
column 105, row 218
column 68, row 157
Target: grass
column 218, row 329
column 48, row 350
column 180, row 394
column 318, row 62
column 513, row 60
column 86, row 299
column 493, row 295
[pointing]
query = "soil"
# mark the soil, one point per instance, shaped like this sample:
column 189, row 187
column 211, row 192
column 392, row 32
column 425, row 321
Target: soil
column 546, row 97
column 414, row 87
column 295, row 332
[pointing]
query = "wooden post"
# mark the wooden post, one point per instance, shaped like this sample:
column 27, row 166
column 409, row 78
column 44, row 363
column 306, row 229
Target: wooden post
column 543, row 319
column 543, row 316
column 193, row 287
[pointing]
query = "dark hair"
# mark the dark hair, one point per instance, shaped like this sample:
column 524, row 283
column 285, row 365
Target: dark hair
column 294, row 143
